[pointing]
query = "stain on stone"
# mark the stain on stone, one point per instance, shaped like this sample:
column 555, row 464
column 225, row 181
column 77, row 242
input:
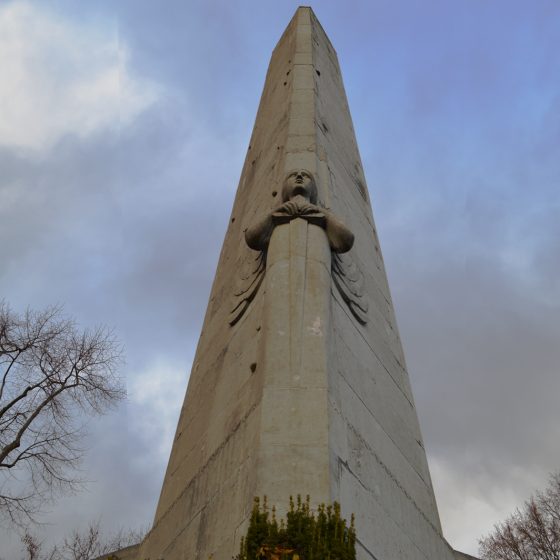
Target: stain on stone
column 361, row 188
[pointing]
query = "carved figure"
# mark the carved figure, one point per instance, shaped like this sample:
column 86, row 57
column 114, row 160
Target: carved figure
column 299, row 196
column 299, row 200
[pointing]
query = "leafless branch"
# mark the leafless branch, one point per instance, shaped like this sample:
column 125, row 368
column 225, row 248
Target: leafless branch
column 50, row 374
column 532, row 533
column 82, row 545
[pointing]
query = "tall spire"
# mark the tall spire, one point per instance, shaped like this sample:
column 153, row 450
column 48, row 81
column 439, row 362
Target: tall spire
column 299, row 383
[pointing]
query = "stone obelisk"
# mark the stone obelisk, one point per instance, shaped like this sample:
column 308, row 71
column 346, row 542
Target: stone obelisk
column 299, row 384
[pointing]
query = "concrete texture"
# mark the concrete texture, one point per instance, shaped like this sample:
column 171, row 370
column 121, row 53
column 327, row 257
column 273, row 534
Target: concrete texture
column 127, row 553
column 298, row 393
column 463, row 556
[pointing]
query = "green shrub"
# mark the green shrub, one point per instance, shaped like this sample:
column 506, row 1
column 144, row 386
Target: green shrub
column 303, row 536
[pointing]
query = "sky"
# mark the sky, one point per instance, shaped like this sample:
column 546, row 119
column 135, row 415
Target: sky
column 123, row 129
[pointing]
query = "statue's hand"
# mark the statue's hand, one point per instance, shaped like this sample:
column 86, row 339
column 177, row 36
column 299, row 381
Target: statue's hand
column 289, row 208
column 298, row 206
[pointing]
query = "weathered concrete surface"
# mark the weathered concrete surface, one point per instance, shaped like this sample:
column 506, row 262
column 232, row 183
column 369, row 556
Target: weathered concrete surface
column 463, row 556
column 297, row 396
column 127, row 553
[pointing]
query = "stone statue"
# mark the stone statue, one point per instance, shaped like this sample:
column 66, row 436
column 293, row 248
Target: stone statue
column 299, row 200
column 299, row 196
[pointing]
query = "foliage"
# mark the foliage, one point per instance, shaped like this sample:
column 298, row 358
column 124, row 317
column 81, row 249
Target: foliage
column 51, row 376
column 304, row 535
column 532, row 533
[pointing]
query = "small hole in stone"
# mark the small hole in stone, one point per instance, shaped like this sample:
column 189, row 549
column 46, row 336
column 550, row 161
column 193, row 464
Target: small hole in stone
column 318, row 73
column 277, row 147
column 288, row 73
column 232, row 220
column 249, row 146
column 274, row 193
column 285, row 83
column 258, row 328
column 253, row 162
column 253, row 367
column 289, row 61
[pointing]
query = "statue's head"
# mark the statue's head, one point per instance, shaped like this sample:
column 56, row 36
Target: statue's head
column 299, row 182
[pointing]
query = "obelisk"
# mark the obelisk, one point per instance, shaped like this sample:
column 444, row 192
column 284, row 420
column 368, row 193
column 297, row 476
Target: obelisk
column 299, row 384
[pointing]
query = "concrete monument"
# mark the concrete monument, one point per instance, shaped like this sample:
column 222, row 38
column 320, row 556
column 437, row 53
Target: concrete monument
column 299, row 384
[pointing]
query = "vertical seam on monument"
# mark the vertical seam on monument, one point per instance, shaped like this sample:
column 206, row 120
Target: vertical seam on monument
column 295, row 308
column 291, row 272
column 323, row 199
column 299, row 370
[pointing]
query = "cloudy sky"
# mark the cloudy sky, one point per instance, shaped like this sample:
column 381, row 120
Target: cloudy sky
column 123, row 128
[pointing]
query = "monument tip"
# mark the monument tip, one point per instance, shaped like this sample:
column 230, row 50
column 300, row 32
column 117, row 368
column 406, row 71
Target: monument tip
column 304, row 10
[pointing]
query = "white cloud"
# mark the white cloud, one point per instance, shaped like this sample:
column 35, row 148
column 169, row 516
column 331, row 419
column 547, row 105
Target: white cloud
column 155, row 398
column 471, row 502
column 62, row 77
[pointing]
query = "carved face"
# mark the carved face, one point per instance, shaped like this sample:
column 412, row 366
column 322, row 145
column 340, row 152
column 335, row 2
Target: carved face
column 299, row 182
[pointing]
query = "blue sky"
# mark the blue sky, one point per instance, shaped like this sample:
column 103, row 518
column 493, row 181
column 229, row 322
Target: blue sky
column 123, row 128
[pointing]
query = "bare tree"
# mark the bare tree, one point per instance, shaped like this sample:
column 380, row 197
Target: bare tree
column 532, row 533
column 32, row 547
column 82, row 545
column 51, row 373
column 92, row 543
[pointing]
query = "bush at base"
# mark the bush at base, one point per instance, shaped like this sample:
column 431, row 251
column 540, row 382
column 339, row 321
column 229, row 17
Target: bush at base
column 303, row 536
